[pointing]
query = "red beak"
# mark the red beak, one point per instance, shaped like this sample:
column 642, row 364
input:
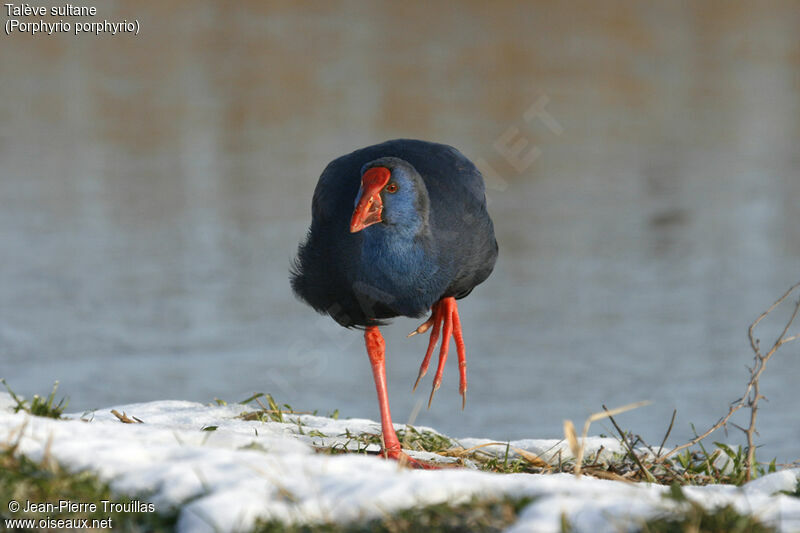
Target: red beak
column 369, row 205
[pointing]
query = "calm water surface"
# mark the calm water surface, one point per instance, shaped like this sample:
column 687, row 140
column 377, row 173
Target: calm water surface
column 153, row 190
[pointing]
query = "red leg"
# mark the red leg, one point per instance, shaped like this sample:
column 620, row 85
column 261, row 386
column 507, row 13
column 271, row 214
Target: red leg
column 376, row 349
column 444, row 316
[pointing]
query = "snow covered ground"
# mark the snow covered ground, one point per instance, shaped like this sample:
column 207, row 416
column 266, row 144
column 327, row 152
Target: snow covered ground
column 226, row 479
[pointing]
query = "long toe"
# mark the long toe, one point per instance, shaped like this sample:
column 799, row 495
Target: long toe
column 437, row 325
column 462, row 356
column 404, row 460
column 445, row 308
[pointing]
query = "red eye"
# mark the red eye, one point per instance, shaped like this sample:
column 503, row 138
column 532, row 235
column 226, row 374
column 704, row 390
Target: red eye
column 391, row 188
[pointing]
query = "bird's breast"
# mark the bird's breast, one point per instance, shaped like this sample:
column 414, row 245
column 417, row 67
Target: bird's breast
column 402, row 274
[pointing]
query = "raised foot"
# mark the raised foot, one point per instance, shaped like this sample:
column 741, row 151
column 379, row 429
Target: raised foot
column 444, row 318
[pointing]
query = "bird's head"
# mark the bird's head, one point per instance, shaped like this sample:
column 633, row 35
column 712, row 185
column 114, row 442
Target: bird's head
column 392, row 192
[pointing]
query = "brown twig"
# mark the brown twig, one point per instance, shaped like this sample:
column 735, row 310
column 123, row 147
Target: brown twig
column 645, row 472
column 124, row 418
column 666, row 435
column 751, row 394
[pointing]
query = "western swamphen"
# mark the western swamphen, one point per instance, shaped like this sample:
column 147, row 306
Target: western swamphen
column 397, row 228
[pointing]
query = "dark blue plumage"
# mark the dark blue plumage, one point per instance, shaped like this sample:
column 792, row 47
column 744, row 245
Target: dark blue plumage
column 435, row 238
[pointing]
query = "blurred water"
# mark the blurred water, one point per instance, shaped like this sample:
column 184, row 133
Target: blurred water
column 154, row 188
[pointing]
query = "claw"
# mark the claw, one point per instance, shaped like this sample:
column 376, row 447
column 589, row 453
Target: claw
column 433, row 391
column 425, row 326
column 422, row 372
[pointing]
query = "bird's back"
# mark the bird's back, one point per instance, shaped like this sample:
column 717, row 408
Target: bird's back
column 462, row 230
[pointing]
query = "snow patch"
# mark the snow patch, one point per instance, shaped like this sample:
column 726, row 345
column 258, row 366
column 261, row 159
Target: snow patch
column 227, row 479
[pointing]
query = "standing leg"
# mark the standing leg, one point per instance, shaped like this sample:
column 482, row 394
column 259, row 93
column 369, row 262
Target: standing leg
column 376, row 349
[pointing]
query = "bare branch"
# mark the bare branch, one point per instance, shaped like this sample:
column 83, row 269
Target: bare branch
column 752, row 394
